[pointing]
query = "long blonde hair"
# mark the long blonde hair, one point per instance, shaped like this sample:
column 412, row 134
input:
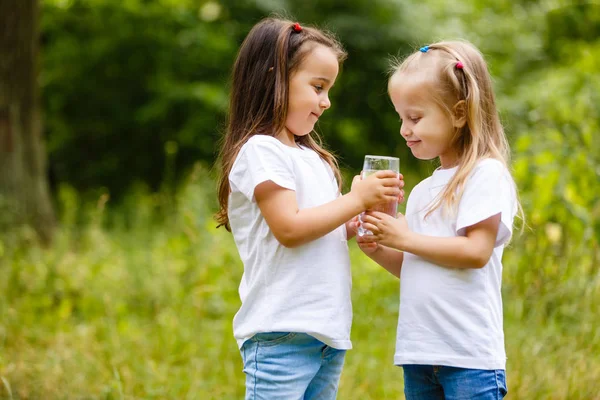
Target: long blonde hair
column 482, row 136
column 270, row 54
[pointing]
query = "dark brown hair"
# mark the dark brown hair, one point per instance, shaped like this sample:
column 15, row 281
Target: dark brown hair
column 258, row 102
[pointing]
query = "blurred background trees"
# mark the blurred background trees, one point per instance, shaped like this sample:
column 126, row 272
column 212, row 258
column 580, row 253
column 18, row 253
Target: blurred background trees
column 141, row 86
column 136, row 91
column 24, row 195
column 136, row 295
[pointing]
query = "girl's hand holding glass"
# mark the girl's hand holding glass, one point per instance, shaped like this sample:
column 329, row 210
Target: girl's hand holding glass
column 371, row 165
column 367, row 243
column 385, row 229
column 379, row 188
column 357, row 178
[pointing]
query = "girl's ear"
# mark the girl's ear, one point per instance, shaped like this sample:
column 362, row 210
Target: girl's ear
column 459, row 114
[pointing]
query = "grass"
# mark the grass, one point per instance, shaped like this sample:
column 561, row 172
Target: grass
column 130, row 305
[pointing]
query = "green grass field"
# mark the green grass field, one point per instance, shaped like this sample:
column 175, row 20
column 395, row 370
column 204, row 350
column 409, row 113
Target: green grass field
column 128, row 305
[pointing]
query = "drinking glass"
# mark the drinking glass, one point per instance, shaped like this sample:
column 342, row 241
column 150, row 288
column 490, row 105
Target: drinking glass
column 371, row 165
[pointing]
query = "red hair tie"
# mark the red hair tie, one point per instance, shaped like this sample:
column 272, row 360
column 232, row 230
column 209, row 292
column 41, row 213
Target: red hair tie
column 296, row 27
column 459, row 65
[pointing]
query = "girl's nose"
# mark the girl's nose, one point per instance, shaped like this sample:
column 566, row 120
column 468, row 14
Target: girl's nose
column 325, row 103
column 404, row 131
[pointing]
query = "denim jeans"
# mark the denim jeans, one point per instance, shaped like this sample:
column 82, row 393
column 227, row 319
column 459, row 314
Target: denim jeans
column 429, row 382
column 290, row 366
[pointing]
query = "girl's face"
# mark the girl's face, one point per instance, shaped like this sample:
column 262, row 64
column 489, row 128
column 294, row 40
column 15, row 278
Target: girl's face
column 309, row 92
column 426, row 126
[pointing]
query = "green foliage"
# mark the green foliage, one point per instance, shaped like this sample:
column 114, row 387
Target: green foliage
column 558, row 170
column 124, row 80
column 135, row 298
column 138, row 302
column 121, row 80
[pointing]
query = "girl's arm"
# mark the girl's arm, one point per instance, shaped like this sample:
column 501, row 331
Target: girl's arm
column 293, row 227
column 388, row 258
column 470, row 251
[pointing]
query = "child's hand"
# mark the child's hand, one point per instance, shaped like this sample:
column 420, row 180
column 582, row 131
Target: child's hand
column 367, row 243
column 387, row 231
column 401, row 195
column 352, row 228
column 401, row 199
column 381, row 187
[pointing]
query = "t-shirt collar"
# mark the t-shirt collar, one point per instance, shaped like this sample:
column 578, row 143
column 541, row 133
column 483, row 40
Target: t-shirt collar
column 442, row 176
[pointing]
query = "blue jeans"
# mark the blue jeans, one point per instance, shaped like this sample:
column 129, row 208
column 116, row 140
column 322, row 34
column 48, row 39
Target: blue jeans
column 429, row 382
column 290, row 366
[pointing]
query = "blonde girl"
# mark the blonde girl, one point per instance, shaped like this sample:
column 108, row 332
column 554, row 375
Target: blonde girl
column 447, row 249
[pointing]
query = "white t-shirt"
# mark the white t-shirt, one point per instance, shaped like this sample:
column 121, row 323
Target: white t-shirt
column 303, row 289
column 452, row 316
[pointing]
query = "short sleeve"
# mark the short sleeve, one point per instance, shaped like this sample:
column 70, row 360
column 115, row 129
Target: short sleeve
column 261, row 160
column 489, row 191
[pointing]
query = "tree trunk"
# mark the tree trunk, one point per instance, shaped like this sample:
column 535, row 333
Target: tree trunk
column 24, row 193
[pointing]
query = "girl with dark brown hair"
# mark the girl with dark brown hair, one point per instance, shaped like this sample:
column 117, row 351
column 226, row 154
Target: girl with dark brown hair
column 279, row 195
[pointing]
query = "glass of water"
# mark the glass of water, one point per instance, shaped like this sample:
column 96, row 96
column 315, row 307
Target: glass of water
column 371, row 165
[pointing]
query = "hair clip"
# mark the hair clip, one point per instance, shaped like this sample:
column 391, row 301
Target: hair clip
column 296, row 27
column 459, row 65
column 270, row 69
column 424, row 49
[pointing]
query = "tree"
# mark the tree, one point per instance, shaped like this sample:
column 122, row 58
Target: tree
column 24, row 189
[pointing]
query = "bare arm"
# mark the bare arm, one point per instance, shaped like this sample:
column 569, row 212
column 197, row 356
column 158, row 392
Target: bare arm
column 293, row 227
column 388, row 258
column 471, row 251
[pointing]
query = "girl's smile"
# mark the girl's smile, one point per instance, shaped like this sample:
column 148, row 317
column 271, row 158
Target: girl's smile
column 309, row 93
column 427, row 128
